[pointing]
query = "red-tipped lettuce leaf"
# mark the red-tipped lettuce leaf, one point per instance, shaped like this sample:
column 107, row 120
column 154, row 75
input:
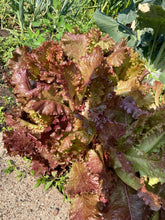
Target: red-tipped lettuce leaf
column 150, row 199
column 88, row 64
column 84, row 207
column 75, row 46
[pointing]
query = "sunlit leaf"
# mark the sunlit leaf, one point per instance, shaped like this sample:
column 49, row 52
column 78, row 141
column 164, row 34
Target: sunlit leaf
column 84, row 207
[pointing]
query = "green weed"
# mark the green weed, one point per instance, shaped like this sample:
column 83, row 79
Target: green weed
column 2, row 118
column 9, row 44
column 2, row 121
column 10, row 168
column 7, row 18
column 20, row 175
column 50, row 181
column 29, row 164
column 8, row 100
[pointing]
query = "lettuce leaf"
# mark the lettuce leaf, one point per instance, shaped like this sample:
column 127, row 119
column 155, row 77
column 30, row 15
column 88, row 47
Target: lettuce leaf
column 84, row 207
column 125, row 204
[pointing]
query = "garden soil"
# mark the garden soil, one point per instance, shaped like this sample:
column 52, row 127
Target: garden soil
column 19, row 200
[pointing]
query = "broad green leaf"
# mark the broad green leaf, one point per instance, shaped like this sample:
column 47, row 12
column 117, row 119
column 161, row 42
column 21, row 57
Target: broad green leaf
column 129, row 179
column 110, row 26
column 124, row 169
column 127, row 15
column 147, row 166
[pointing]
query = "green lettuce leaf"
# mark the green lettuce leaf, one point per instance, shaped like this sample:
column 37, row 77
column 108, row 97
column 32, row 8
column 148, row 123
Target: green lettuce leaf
column 124, row 169
column 151, row 167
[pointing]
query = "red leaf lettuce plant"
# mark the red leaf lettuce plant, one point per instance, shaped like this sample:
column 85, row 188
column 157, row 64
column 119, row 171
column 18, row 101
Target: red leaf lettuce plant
column 84, row 103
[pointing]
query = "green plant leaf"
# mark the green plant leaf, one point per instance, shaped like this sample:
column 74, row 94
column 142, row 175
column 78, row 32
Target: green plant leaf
column 38, row 183
column 32, row 172
column 20, row 175
column 48, row 184
column 153, row 140
column 9, row 169
column 53, row 173
column 147, row 165
column 36, row 23
column 115, row 29
column 162, row 77
column 124, row 169
column 10, row 162
column 127, row 15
